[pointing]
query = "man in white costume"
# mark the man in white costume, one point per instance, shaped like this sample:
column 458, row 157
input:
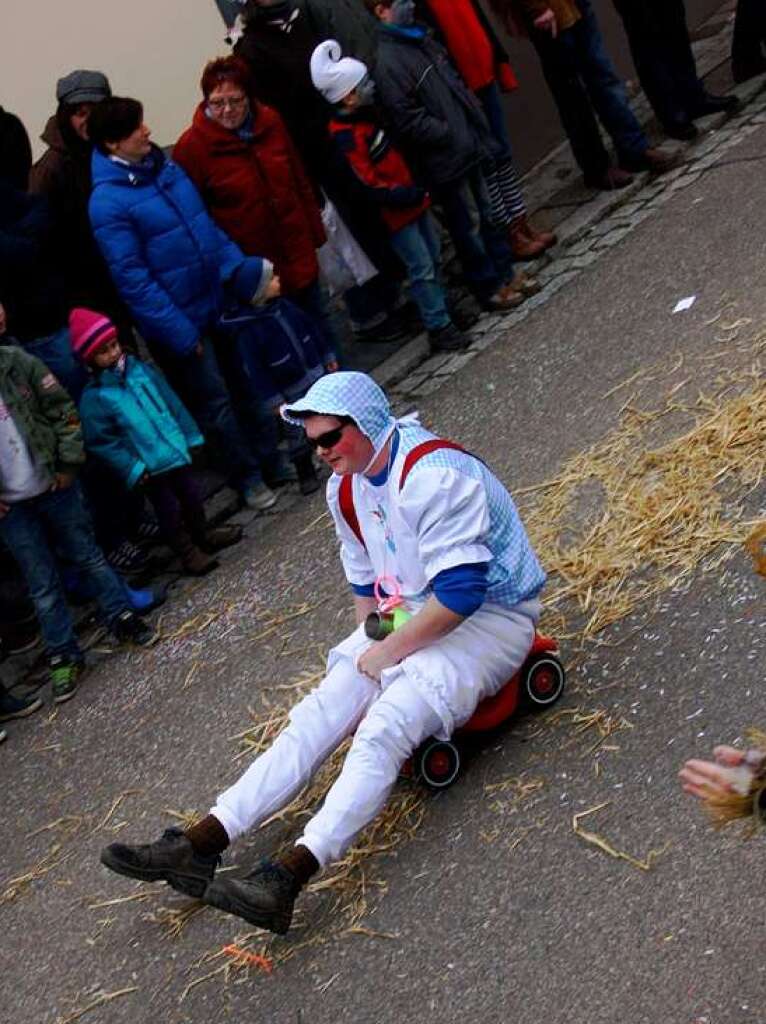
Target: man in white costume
column 444, row 533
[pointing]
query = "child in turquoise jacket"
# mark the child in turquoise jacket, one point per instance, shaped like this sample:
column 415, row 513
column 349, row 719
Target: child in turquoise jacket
column 134, row 421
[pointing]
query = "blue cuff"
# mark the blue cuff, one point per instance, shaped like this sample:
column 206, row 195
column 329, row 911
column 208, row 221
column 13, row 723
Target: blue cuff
column 462, row 588
column 363, row 589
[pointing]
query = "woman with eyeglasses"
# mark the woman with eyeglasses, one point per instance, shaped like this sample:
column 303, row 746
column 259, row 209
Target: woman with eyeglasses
column 239, row 154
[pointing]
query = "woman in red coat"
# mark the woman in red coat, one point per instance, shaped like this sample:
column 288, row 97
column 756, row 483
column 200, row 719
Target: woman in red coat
column 241, row 158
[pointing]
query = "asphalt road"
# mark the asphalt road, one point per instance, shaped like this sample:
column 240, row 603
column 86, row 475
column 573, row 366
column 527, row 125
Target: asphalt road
column 496, row 910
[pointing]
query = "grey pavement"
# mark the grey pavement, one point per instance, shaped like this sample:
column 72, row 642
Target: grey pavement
column 494, row 909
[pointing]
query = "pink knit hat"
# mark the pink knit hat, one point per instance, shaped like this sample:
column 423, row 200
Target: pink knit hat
column 88, row 331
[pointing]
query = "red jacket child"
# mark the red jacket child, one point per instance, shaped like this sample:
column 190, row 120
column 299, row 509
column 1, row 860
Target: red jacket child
column 379, row 166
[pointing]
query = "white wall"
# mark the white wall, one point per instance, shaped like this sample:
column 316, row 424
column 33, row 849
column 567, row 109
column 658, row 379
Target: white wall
column 153, row 50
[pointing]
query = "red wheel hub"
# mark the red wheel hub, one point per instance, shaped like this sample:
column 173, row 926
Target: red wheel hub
column 439, row 763
column 544, row 681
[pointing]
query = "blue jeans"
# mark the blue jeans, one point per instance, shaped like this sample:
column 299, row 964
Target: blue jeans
column 201, row 385
column 492, row 105
column 30, row 529
column 582, row 79
column 483, row 252
column 55, row 351
column 418, row 247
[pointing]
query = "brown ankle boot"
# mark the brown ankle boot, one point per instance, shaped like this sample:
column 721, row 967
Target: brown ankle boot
column 522, row 246
column 525, row 283
column 194, row 561
column 548, row 238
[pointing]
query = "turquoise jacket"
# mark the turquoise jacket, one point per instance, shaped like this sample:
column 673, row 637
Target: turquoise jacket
column 136, row 422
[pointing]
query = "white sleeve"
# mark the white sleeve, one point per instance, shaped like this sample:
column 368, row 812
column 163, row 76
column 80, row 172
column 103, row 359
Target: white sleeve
column 353, row 555
column 448, row 513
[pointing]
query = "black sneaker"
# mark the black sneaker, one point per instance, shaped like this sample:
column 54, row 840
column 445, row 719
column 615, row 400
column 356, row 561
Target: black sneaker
column 448, row 339
column 171, row 859
column 265, row 897
column 17, row 707
column 128, row 559
column 148, row 533
column 128, row 628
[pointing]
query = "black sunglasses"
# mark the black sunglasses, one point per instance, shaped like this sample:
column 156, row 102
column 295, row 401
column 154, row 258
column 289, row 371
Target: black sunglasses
column 327, row 440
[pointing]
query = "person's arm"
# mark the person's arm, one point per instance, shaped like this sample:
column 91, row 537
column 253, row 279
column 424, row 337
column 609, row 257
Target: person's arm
column 105, row 440
column 408, row 115
column 448, row 513
column 59, row 410
column 431, row 623
column 363, row 168
column 177, row 408
column 158, row 317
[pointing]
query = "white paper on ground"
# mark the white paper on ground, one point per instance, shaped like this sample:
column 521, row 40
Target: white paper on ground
column 684, row 304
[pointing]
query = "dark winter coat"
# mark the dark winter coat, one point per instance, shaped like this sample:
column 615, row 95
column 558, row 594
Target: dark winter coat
column 281, row 348
column 63, row 176
column 349, row 22
column 257, row 191
column 167, row 257
column 31, row 285
column 435, row 115
column 15, row 151
column 136, row 423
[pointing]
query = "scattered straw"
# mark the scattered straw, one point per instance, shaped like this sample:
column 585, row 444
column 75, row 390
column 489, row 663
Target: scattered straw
column 602, row 844
column 113, row 807
column 103, row 997
column 15, row 887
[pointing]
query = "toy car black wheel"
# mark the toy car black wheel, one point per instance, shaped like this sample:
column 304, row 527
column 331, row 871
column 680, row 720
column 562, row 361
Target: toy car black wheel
column 438, row 763
column 542, row 682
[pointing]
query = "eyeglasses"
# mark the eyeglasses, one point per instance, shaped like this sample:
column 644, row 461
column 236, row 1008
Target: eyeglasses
column 327, row 440
column 233, row 102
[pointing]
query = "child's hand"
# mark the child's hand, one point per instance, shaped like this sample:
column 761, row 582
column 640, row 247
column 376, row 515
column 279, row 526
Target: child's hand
column 332, row 367
column 62, row 481
column 273, row 289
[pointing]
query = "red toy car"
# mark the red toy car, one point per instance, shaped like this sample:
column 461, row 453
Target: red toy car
column 537, row 685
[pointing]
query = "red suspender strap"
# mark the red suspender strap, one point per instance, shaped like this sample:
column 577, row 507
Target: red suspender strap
column 346, row 502
column 425, row 449
column 346, row 490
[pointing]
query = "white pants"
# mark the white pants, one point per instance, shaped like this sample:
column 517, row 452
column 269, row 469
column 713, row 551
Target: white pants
column 431, row 692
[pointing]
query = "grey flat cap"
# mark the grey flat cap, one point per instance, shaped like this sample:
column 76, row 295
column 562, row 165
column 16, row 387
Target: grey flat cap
column 83, row 87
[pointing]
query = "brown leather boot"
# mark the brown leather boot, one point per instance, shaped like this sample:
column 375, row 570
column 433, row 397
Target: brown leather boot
column 548, row 238
column 194, row 561
column 525, row 284
column 523, row 246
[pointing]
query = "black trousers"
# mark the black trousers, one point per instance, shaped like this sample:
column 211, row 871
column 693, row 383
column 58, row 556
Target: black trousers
column 659, row 44
column 749, row 35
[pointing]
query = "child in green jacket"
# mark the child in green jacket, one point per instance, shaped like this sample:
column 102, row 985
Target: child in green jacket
column 135, row 422
column 41, row 506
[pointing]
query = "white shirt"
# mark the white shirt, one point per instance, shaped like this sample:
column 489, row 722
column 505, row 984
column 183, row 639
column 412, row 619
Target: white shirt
column 21, row 477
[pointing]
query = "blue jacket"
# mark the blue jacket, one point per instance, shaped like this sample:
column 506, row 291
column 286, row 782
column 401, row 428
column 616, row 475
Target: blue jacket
column 136, row 422
column 281, row 348
column 167, row 258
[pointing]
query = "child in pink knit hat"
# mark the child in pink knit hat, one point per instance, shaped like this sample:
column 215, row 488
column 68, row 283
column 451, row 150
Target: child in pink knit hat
column 135, row 422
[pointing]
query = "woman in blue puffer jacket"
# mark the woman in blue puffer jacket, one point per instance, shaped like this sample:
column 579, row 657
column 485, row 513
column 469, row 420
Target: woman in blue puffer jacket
column 170, row 263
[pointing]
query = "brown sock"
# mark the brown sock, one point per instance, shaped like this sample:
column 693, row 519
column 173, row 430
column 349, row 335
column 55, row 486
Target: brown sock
column 300, row 862
column 208, row 836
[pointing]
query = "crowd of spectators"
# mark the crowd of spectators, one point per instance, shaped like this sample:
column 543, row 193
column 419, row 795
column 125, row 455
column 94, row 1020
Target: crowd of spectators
column 154, row 303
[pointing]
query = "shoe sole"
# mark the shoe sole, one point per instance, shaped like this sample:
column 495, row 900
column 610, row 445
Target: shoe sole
column 63, row 697
column 28, row 710
column 220, row 897
column 189, row 886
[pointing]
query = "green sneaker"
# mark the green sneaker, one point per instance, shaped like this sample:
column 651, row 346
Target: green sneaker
column 63, row 676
